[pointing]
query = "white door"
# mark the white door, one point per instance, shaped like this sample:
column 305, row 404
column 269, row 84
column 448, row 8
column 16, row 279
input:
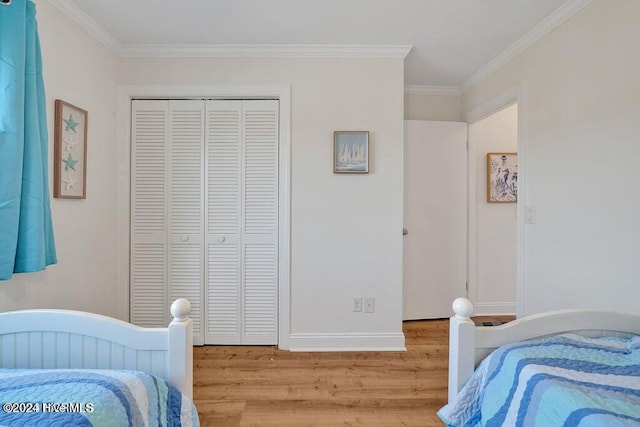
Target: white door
column 184, row 207
column 242, row 222
column 148, row 272
column 435, row 217
column 166, row 210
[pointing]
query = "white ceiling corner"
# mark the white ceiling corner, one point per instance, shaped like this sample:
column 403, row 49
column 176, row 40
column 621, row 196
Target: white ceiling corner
column 550, row 23
column 88, row 24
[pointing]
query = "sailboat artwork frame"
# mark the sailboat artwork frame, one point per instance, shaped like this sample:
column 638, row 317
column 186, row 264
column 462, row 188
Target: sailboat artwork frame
column 350, row 151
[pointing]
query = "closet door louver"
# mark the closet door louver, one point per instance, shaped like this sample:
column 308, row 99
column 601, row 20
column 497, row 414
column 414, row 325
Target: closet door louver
column 148, row 201
column 223, row 161
column 185, row 219
column 260, row 222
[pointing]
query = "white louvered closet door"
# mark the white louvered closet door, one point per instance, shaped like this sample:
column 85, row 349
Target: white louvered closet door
column 242, row 222
column 223, row 293
column 149, row 136
column 166, row 210
column 185, row 210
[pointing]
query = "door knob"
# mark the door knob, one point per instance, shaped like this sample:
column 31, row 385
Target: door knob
column 405, row 231
column 185, row 238
column 221, row 239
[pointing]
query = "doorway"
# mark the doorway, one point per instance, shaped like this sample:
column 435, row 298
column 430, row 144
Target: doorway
column 493, row 226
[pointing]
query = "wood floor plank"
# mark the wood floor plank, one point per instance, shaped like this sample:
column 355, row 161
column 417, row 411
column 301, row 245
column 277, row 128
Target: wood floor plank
column 220, row 413
column 382, row 413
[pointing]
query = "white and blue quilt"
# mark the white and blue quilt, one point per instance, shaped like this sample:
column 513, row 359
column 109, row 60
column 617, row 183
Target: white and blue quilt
column 565, row 380
column 91, row 397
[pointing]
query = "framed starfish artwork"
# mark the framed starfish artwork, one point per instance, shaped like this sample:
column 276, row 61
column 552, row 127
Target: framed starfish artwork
column 70, row 151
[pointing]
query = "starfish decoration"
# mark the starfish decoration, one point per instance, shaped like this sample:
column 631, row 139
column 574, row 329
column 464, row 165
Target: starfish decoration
column 71, row 124
column 69, row 183
column 70, row 144
column 69, row 163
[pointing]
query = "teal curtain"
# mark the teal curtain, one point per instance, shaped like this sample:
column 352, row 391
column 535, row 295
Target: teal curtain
column 26, row 231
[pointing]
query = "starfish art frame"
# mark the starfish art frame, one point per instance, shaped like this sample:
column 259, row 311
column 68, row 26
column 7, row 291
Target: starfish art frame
column 70, row 151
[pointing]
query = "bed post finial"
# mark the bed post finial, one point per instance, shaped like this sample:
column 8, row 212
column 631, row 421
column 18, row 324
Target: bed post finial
column 461, row 346
column 181, row 347
column 463, row 308
column 180, row 309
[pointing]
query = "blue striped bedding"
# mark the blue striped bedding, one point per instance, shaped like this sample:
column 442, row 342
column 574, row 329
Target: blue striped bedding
column 91, row 397
column 565, row 380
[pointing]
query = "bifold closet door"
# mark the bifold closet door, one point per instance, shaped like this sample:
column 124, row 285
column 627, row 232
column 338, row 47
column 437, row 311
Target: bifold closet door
column 242, row 222
column 204, row 216
column 185, row 209
column 167, row 210
column 148, row 273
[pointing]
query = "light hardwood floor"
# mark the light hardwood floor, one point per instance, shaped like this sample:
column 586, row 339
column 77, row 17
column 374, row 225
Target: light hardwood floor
column 263, row 386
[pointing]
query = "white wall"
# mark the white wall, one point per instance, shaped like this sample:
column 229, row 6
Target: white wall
column 346, row 230
column 81, row 71
column 492, row 246
column 581, row 130
column 446, row 108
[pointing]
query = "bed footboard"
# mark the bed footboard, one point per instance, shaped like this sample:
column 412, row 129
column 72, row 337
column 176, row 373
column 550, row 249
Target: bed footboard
column 469, row 344
column 55, row 339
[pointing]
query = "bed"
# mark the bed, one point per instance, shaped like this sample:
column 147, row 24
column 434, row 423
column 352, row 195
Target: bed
column 63, row 367
column 561, row 368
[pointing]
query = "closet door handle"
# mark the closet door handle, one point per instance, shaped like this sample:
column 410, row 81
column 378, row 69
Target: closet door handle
column 185, row 238
column 221, row 239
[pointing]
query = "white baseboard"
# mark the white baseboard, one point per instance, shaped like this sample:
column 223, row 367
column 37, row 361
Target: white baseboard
column 347, row 342
column 492, row 308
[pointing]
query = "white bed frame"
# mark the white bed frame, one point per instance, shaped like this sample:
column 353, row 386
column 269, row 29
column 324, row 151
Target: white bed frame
column 57, row 339
column 469, row 344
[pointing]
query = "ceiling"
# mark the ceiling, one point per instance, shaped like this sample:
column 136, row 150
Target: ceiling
column 452, row 39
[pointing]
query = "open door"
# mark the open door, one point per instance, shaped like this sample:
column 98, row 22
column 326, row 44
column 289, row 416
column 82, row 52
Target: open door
column 435, row 217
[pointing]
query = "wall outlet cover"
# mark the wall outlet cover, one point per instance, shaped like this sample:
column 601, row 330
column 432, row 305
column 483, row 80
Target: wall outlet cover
column 357, row 304
column 369, row 305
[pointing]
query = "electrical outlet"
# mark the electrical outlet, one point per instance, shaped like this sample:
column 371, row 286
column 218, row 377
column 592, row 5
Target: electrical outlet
column 357, row 303
column 369, row 305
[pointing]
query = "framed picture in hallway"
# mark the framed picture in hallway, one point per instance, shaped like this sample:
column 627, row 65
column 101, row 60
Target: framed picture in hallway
column 69, row 151
column 351, row 151
column 502, row 177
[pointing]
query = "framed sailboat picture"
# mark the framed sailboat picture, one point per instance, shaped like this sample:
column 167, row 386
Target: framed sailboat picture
column 351, row 151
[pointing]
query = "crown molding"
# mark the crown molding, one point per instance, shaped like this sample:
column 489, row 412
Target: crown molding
column 432, row 90
column 557, row 18
column 85, row 22
column 263, row 51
